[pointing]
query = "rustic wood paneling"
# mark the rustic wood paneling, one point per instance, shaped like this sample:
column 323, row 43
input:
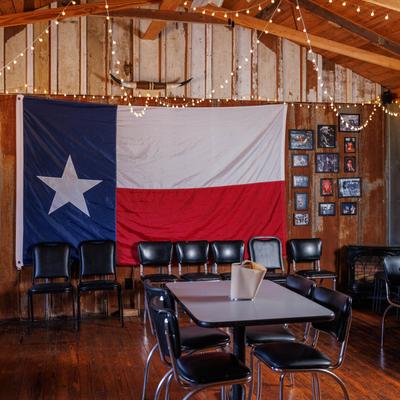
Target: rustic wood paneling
column 41, row 76
column 15, row 43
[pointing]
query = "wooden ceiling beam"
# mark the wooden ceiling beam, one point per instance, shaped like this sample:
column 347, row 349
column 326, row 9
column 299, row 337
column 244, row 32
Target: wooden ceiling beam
column 371, row 36
column 155, row 27
column 390, row 4
column 316, row 41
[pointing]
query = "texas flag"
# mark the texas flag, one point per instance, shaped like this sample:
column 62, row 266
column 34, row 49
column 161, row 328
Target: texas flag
column 94, row 171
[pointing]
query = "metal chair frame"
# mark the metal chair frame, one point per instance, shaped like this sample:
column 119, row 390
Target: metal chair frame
column 391, row 305
column 214, row 267
column 281, row 267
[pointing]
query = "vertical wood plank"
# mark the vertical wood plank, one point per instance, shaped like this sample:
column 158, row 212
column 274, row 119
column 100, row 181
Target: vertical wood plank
column 198, row 61
column 312, row 82
column 243, row 63
column 279, row 69
column 254, row 66
column 328, row 76
column 358, row 88
column 209, row 71
column 83, row 53
column 149, row 68
column 29, row 59
column 266, row 72
column 349, row 86
column 340, row 84
column 41, row 59
column 15, row 43
column 54, row 54
column 2, row 72
column 291, row 71
column 136, row 49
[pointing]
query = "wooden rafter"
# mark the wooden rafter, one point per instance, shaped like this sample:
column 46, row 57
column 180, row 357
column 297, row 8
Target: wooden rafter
column 350, row 26
column 390, row 4
column 156, row 27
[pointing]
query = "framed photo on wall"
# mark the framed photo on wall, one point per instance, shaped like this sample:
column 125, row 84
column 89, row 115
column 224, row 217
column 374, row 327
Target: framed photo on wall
column 327, row 209
column 300, row 160
column 301, row 139
column 327, row 162
column 349, row 122
column 326, row 187
column 348, row 208
column 326, row 136
column 301, row 201
column 300, row 181
column 350, row 144
column 349, row 164
column 349, row 187
column 301, row 219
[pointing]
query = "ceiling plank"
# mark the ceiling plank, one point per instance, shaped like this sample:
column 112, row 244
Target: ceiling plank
column 316, row 41
column 350, row 26
column 19, row 5
column 390, row 4
column 156, row 27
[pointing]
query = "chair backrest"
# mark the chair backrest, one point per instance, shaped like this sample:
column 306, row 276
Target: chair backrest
column 227, row 251
column 300, row 285
column 194, row 252
column 155, row 253
column 391, row 266
column 305, row 250
column 167, row 329
column 51, row 260
column 267, row 251
column 340, row 304
column 97, row 257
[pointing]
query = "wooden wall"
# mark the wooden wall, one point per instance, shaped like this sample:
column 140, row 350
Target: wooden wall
column 367, row 227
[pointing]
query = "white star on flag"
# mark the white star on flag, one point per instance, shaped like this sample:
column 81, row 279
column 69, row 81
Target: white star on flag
column 69, row 188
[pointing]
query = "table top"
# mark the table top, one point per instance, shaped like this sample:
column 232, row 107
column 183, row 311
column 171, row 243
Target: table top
column 209, row 305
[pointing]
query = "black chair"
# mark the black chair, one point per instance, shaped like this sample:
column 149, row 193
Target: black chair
column 194, row 371
column 391, row 266
column 51, row 263
column 97, row 260
column 227, row 252
column 267, row 251
column 294, row 357
column 193, row 338
column 194, row 253
column 309, row 251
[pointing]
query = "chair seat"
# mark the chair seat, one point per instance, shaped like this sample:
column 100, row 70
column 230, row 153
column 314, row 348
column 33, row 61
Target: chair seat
column 291, row 355
column 160, row 277
column 226, row 276
column 51, row 287
column 312, row 273
column 268, row 334
column 195, row 337
column 200, row 276
column 205, row 368
column 276, row 277
column 87, row 286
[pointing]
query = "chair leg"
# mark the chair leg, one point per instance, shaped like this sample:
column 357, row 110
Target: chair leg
column 281, row 382
column 146, row 371
column 73, row 304
column 259, row 381
column 161, row 384
column 252, row 375
column 78, row 309
column 168, row 386
column 315, row 387
column 243, row 391
column 120, row 307
column 339, row 381
column 30, row 306
column 383, row 323
column 334, row 284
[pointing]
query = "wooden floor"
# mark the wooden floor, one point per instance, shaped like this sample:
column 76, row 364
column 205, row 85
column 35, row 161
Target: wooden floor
column 104, row 361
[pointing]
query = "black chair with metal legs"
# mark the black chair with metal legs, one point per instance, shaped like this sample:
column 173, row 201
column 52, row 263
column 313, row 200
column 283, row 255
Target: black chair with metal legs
column 391, row 266
column 51, row 272
column 267, row 251
column 194, row 253
column 309, row 251
column 97, row 259
column 194, row 371
column 295, row 357
column 226, row 252
column 193, row 337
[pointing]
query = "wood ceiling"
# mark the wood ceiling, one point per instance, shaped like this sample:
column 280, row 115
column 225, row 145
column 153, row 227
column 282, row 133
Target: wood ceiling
column 370, row 37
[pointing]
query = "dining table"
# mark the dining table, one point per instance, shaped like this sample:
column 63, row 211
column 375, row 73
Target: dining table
column 209, row 305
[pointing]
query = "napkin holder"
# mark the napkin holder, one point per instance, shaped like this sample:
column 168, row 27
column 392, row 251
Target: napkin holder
column 246, row 279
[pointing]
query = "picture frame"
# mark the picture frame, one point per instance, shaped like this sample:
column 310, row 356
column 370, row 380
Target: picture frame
column 326, row 136
column 326, row 187
column 349, row 164
column 301, row 219
column 327, row 162
column 327, row 209
column 348, row 208
column 349, row 122
column 350, row 144
column 301, row 139
column 300, row 181
column 349, row 187
column 301, row 201
column 300, row 160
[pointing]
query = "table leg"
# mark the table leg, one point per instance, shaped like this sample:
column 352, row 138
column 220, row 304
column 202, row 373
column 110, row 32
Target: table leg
column 239, row 349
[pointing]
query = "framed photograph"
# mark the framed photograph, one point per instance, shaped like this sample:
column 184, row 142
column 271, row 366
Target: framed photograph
column 300, row 181
column 348, row 122
column 301, row 219
column 326, row 187
column 350, row 144
column 300, row 160
column 348, row 208
column 349, row 164
column 326, row 209
column 349, row 187
column 300, row 201
column 327, row 162
column 327, row 136
column 301, row 139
